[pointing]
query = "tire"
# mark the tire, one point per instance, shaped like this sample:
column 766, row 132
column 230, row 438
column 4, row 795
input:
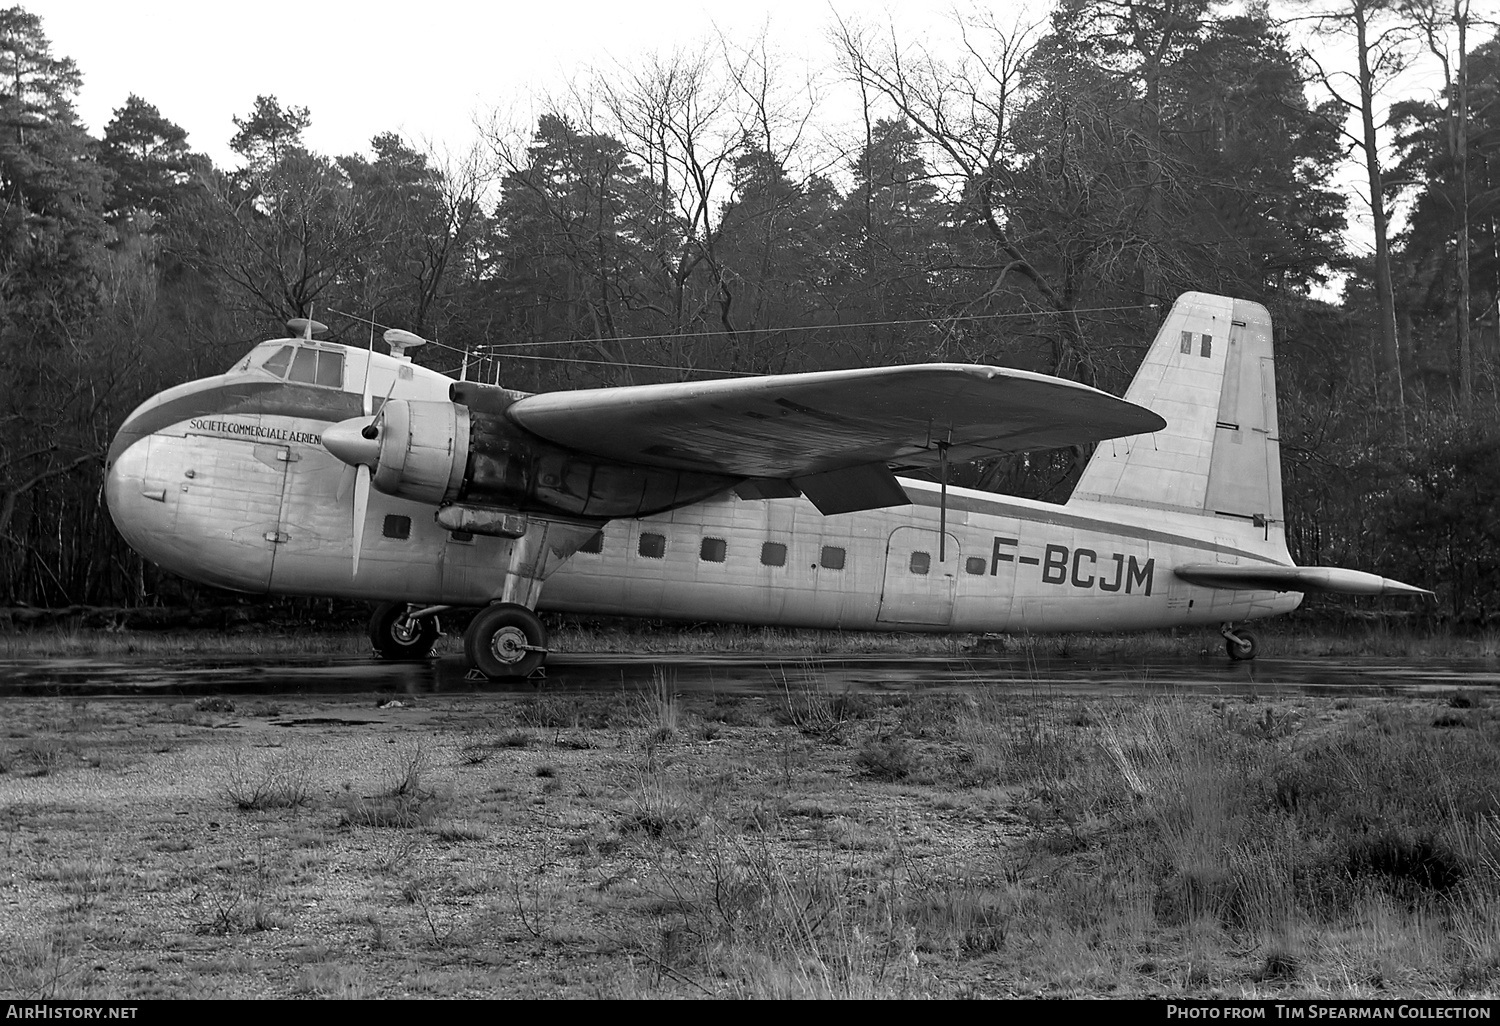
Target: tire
column 1244, row 649
column 506, row 641
column 399, row 639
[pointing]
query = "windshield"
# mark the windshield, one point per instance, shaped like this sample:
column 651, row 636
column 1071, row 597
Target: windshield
column 308, row 366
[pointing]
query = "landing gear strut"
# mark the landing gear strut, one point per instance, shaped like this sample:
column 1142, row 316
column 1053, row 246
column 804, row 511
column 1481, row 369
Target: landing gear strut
column 1241, row 645
column 506, row 640
column 399, row 636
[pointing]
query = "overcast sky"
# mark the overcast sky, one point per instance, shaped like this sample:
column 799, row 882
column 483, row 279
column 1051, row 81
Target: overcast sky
column 428, row 70
column 424, row 69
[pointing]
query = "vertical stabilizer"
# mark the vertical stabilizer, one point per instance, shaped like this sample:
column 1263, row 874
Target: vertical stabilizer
column 1210, row 375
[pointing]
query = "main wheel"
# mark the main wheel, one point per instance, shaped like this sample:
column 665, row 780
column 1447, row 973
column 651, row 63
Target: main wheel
column 398, row 637
column 1243, row 648
column 506, row 640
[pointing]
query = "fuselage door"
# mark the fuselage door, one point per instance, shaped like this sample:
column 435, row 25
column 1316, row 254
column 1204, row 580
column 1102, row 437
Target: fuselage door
column 918, row 586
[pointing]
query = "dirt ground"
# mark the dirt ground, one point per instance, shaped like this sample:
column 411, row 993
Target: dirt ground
column 628, row 845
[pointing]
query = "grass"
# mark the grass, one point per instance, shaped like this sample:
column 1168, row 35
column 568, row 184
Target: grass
column 981, row 843
column 1300, row 635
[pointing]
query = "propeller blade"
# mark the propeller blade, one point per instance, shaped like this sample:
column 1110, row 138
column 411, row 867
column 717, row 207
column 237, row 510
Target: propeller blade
column 361, row 507
column 369, row 359
column 346, row 485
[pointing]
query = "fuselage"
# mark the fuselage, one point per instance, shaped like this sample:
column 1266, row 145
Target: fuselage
column 1008, row 564
column 226, row 481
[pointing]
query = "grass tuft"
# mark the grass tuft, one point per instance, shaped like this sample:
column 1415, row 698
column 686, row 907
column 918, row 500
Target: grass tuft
column 277, row 780
column 408, row 801
column 888, row 758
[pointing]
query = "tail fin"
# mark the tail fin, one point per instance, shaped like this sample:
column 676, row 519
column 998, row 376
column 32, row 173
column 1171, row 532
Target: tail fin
column 1211, row 375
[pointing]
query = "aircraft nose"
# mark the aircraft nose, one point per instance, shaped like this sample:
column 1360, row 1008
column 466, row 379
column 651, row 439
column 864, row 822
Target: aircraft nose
column 347, row 440
column 139, row 512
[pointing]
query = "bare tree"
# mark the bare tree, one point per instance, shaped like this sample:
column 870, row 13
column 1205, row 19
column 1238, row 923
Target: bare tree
column 966, row 110
column 1382, row 44
column 281, row 236
column 682, row 119
column 774, row 118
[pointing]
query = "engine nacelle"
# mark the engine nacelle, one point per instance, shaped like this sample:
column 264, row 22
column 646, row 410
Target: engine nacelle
column 424, row 447
column 509, row 466
column 446, row 452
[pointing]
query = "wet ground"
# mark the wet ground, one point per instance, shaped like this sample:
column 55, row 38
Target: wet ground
column 311, row 675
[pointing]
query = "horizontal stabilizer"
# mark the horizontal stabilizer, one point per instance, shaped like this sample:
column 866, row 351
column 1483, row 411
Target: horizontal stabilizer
column 800, row 426
column 1293, row 578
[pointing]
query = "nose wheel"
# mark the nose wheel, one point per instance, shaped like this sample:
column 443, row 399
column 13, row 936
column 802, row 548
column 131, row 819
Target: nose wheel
column 506, row 640
column 1241, row 645
column 400, row 637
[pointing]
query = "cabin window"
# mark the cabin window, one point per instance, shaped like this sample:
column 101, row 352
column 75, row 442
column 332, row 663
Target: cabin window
column 653, row 546
column 773, row 554
column 974, row 565
column 1208, row 346
column 317, row 367
column 397, row 527
column 461, row 536
column 921, row 562
column 594, row 545
column 833, row 558
column 279, row 362
column 712, row 550
column 1187, row 342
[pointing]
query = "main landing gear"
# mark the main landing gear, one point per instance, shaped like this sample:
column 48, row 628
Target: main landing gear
column 506, row 640
column 503, row 640
column 1241, row 645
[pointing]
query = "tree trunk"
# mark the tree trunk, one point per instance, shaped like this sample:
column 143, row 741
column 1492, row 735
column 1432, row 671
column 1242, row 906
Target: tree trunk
column 1465, row 342
column 1387, row 351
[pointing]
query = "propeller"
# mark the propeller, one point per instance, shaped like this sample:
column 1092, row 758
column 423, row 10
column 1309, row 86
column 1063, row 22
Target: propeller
column 356, row 442
column 349, row 441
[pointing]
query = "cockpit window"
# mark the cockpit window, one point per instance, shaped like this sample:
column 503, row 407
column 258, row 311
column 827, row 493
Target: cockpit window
column 331, row 369
column 307, row 365
column 318, row 367
column 278, row 362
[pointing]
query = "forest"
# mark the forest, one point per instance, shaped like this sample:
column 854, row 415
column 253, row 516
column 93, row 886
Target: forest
column 1033, row 198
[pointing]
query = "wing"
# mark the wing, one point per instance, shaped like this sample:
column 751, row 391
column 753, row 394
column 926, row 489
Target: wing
column 833, row 434
column 1294, row 578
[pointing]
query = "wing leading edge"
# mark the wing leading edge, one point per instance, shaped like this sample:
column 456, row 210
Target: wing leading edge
column 1294, row 578
column 835, row 435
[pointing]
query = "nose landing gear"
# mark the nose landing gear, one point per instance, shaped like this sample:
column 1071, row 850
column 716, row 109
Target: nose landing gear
column 1241, row 645
column 399, row 636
